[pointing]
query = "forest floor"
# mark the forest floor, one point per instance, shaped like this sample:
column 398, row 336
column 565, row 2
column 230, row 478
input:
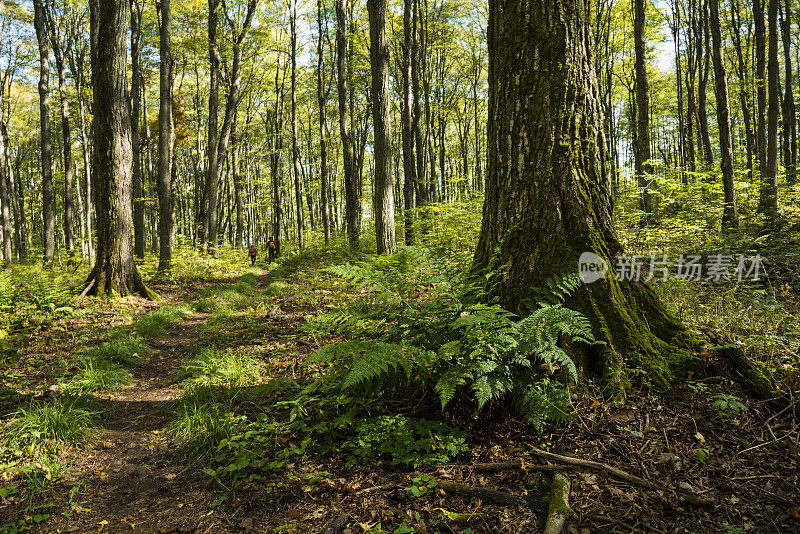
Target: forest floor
column 134, row 475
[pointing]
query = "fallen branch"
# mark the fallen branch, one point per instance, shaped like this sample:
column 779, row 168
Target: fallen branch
column 516, row 464
column 622, row 475
column 559, row 511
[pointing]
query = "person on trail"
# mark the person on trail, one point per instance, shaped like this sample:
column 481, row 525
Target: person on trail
column 272, row 248
column 252, row 252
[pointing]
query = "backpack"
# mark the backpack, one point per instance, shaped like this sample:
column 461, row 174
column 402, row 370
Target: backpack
column 272, row 245
column 253, row 250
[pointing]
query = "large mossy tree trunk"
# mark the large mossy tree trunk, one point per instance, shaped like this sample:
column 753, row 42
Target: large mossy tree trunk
column 114, row 272
column 548, row 192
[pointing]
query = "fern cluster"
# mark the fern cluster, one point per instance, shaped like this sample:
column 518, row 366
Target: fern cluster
column 420, row 323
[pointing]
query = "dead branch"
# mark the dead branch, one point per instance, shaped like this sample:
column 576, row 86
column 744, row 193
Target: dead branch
column 622, row 475
column 559, row 511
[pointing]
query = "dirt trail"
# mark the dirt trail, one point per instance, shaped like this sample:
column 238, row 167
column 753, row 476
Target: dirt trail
column 132, row 479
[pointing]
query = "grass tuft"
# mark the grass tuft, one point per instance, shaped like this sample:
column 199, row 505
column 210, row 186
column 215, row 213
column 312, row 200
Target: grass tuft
column 155, row 322
column 123, row 349
column 97, row 375
column 50, row 425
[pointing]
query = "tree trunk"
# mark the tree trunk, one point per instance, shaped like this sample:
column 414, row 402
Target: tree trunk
column 209, row 204
column 136, row 113
column 768, row 199
column 298, row 189
column 379, row 62
column 789, row 111
column 643, row 167
column 730, row 216
column 409, row 170
column 703, row 54
column 548, row 195
column 323, row 128
column 760, row 81
column 114, row 272
column 165, row 140
column 743, row 75
column 348, row 155
column 48, row 198
column 5, row 197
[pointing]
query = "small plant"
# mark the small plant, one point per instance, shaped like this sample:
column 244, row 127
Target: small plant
column 97, row 375
column 421, row 485
column 699, row 387
column 206, row 305
column 48, row 426
column 405, row 441
column 123, row 349
column 729, row 405
column 701, row 453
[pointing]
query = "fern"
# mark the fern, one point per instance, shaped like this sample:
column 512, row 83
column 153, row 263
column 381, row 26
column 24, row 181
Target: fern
column 556, row 290
column 448, row 342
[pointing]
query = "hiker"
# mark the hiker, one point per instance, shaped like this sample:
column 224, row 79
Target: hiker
column 252, row 252
column 272, row 248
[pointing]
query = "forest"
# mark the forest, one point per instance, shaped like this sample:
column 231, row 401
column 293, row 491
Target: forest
column 430, row 266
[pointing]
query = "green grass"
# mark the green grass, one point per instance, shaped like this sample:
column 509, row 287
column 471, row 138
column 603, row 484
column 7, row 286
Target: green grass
column 153, row 323
column 206, row 304
column 97, row 375
column 225, row 368
column 122, row 349
column 277, row 288
column 201, row 423
column 50, row 425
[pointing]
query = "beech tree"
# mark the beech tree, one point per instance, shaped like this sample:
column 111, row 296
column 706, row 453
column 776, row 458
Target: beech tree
column 548, row 192
column 48, row 199
column 114, row 272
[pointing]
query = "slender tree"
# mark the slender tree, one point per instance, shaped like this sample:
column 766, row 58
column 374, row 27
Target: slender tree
column 383, row 194
column 348, row 153
column 644, row 169
column 298, row 188
column 136, row 116
column 48, row 198
column 5, row 198
column 789, row 109
column 730, row 216
column 409, row 169
column 114, row 272
column 165, row 139
column 322, row 96
column 768, row 199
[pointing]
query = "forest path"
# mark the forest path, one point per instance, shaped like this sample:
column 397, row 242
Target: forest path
column 132, row 480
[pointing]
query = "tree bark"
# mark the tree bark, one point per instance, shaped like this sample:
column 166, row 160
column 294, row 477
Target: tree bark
column 114, row 272
column 761, row 93
column 5, row 197
column 298, row 188
column 548, row 193
column 730, row 216
column 350, row 181
column 379, row 61
column 768, row 198
column 166, row 140
column 323, row 127
column 48, row 198
column 643, row 167
column 789, row 111
column 744, row 100
column 136, row 114
column 409, row 170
